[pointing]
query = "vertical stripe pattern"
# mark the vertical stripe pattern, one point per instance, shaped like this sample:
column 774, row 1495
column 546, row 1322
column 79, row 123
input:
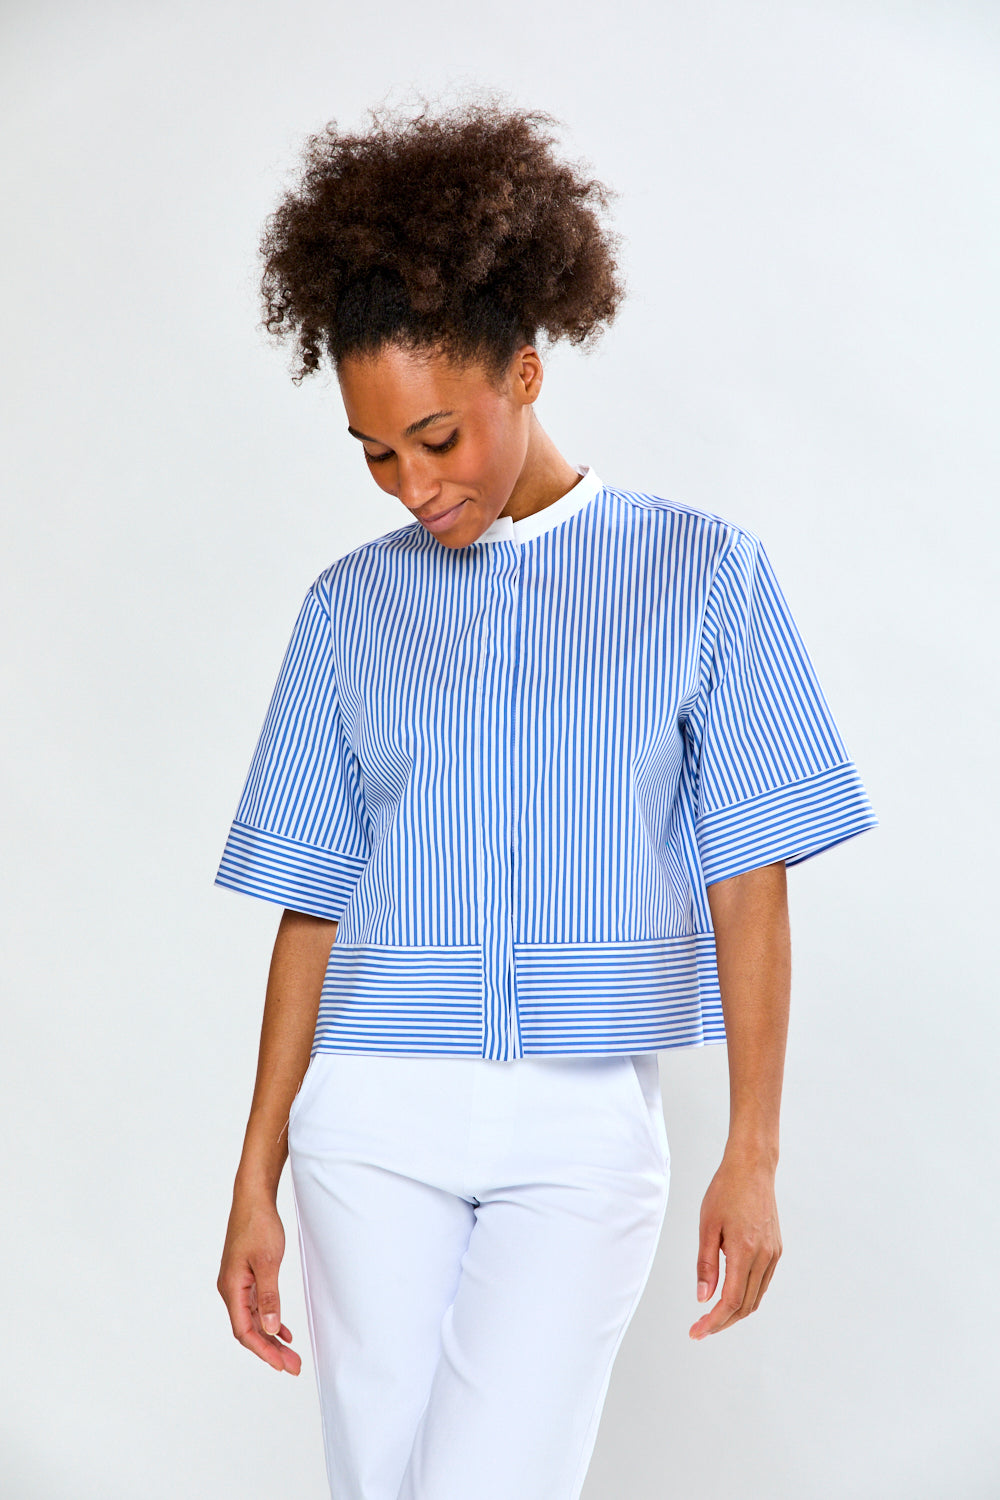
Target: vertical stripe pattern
column 509, row 772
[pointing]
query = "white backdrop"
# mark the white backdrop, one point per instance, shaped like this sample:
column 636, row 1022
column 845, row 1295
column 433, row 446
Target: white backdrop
column 809, row 199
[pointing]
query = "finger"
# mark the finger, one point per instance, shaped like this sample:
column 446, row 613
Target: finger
column 267, row 1302
column 270, row 1351
column 731, row 1300
column 238, row 1297
column 288, row 1359
column 757, row 1285
column 268, row 1348
column 247, row 1329
column 708, row 1263
column 754, row 1281
column 283, row 1333
column 754, row 1277
column 766, row 1280
column 248, row 1332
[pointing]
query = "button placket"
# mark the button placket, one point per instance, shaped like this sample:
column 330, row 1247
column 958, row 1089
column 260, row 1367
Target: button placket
column 513, row 783
column 501, row 1033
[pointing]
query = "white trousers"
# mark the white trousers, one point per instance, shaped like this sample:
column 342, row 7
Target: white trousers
column 475, row 1238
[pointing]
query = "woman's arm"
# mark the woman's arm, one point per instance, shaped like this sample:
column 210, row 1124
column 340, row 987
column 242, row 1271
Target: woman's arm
column 255, row 1239
column 739, row 1214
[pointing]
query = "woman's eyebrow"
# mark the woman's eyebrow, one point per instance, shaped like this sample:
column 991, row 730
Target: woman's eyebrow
column 413, row 427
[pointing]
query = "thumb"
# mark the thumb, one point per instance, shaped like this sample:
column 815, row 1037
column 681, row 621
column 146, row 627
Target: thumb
column 268, row 1304
column 708, row 1266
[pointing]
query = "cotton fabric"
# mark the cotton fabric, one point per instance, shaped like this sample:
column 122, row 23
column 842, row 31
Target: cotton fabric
column 475, row 1239
column 510, row 771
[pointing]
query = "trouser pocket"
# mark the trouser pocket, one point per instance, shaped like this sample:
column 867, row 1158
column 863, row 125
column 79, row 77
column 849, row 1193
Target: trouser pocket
column 644, row 1079
column 305, row 1087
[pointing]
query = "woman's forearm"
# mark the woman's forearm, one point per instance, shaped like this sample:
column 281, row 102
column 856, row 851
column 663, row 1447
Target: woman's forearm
column 753, row 945
column 739, row 1215
column 291, row 1004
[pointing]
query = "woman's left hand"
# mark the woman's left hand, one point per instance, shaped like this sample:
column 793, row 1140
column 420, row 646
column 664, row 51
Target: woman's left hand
column 739, row 1216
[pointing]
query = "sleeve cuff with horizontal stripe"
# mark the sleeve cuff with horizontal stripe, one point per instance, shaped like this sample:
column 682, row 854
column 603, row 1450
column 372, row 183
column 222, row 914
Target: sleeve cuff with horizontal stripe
column 791, row 822
column 299, row 876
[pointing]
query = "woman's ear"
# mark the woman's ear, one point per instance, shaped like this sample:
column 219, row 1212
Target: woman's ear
column 527, row 374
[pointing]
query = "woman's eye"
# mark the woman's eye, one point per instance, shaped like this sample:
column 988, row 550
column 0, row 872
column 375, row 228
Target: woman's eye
column 443, row 447
column 380, row 458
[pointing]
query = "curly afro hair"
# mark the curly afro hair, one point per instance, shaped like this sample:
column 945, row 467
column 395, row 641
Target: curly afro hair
column 461, row 233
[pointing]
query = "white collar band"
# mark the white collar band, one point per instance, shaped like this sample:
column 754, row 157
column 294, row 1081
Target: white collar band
column 504, row 529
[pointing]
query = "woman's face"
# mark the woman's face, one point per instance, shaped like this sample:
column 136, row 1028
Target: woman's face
column 440, row 436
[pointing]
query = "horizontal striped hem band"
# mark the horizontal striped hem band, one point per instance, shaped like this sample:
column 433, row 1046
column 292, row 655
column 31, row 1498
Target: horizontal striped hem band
column 571, row 998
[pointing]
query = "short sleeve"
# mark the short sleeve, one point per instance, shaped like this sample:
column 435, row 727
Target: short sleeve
column 300, row 835
column 772, row 777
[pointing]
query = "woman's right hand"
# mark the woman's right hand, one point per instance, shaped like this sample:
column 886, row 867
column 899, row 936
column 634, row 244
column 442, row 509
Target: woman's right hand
column 248, row 1282
column 255, row 1240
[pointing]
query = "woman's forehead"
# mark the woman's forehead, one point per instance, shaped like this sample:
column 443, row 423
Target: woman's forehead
column 397, row 382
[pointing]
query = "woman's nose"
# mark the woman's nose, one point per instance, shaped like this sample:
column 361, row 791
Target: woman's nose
column 417, row 484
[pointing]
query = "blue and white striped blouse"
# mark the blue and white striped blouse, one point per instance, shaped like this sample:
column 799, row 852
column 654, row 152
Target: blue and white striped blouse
column 509, row 770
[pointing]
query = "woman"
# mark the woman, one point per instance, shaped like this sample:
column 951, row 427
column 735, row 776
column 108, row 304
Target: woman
column 533, row 771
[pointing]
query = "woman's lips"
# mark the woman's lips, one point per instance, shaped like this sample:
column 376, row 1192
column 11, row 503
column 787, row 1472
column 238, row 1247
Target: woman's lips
column 443, row 522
